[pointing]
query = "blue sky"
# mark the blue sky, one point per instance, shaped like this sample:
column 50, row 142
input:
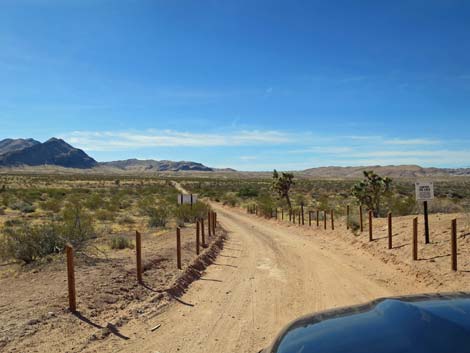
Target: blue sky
column 252, row 85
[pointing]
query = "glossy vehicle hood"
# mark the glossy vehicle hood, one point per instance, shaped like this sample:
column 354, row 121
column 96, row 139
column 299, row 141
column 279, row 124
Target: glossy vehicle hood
column 426, row 323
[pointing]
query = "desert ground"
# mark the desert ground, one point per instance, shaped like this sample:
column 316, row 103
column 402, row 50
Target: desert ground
column 256, row 276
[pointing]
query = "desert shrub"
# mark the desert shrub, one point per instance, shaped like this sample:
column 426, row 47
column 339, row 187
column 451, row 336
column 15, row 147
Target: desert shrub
column 53, row 205
column 266, row 204
column 158, row 216
column 247, row 192
column 114, row 204
column 28, row 243
column 187, row 214
column 56, row 194
column 77, row 225
column 31, row 196
column 146, row 205
column 12, row 222
column 94, row 202
column 402, row 205
column 6, row 199
column 23, row 207
column 230, row 199
column 120, row 242
column 105, row 215
column 126, row 220
column 443, row 205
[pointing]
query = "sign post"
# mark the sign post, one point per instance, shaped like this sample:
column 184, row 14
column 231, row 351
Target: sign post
column 425, row 193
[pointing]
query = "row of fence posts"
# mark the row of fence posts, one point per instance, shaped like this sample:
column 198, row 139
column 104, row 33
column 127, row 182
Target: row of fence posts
column 200, row 241
column 300, row 216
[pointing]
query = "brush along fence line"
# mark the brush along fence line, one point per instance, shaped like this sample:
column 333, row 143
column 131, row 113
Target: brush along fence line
column 296, row 216
column 191, row 273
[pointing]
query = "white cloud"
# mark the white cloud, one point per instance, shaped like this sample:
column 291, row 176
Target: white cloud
column 438, row 154
column 323, row 149
column 117, row 140
column 417, row 141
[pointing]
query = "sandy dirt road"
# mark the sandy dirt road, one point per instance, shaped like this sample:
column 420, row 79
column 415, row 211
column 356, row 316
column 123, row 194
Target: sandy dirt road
column 266, row 276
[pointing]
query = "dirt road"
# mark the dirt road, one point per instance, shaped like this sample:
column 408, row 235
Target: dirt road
column 266, row 276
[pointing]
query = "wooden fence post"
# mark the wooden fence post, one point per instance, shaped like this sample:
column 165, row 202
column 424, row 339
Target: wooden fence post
column 309, row 218
column 370, row 225
column 360, row 219
column 347, row 217
column 390, row 230
column 71, row 279
column 415, row 238
column 302, row 210
column 332, row 216
column 138, row 255
column 324, row 219
column 203, row 235
column 318, row 217
column 178, row 248
column 282, row 214
column 209, row 225
column 299, row 217
column 290, row 215
column 453, row 242
column 215, row 221
column 197, row 238
column 214, row 216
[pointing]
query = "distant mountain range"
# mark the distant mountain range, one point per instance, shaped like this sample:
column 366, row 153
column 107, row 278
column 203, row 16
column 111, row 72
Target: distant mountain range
column 25, row 153
column 34, row 153
column 393, row 171
column 160, row 166
column 57, row 152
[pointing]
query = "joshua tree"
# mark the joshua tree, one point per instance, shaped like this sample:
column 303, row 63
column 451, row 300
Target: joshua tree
column 282, row 184
column 370, row 190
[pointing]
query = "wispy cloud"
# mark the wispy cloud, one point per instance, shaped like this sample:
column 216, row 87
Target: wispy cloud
column 263, row 148
column 323, row 149
column 417, row 141
column 463, row 154
column 115, row 140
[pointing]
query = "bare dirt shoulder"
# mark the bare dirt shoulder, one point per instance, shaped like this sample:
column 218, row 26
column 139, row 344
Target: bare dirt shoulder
column 33, row 302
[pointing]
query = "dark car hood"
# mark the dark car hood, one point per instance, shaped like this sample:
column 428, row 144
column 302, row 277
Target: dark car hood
column 427, row 323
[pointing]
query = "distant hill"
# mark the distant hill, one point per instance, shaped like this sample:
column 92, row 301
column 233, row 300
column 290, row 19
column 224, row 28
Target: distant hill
column 157, row 166
column 56, row 155
column 54, row 152
column 11, row 145
column 393, row 171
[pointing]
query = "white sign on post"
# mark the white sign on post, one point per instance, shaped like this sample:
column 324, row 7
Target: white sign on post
column 424, row 191
column 187, row 199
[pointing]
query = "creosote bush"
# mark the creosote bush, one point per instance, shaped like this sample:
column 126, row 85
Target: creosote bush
column 77, row 225
column 120, row 242
column 26, row 242
column 158, row 216
column 187, row 214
